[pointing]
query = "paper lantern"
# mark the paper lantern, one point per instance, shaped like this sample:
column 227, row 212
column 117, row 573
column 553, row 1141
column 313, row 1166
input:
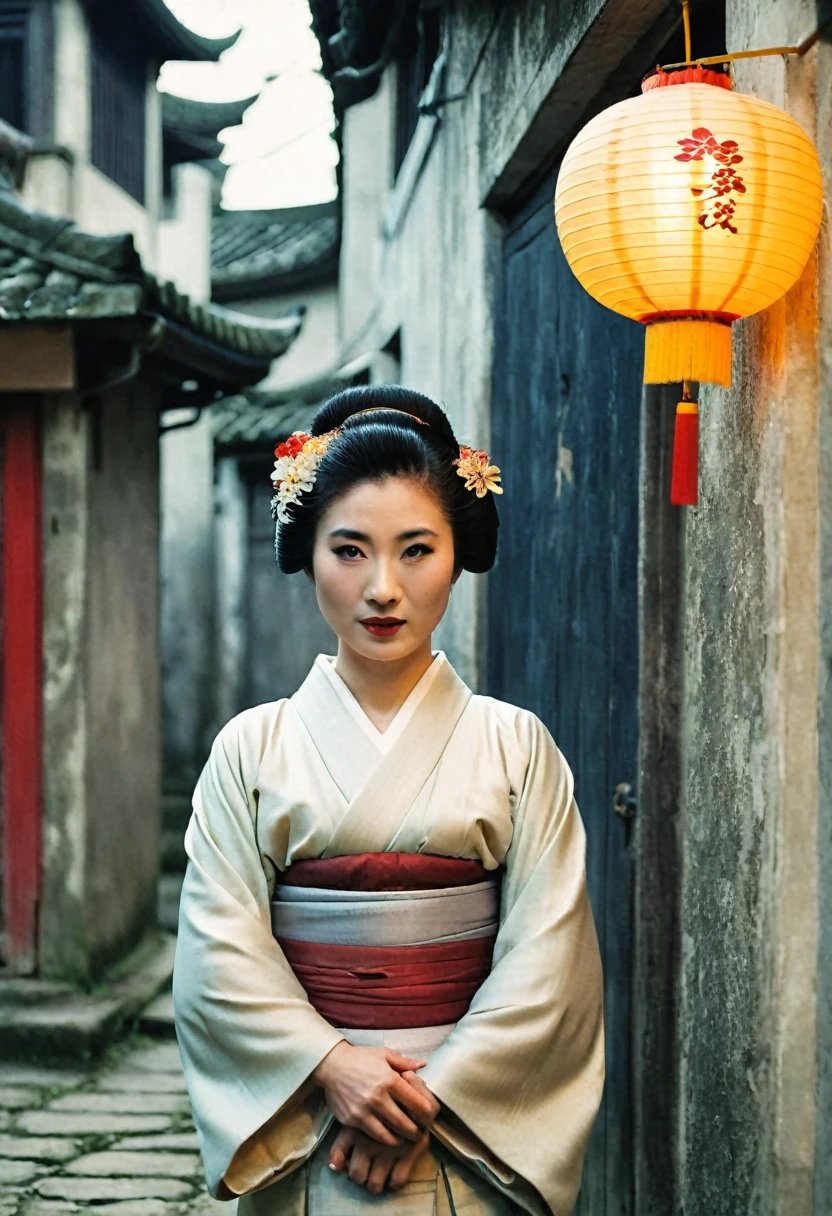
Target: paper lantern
column 686, row 209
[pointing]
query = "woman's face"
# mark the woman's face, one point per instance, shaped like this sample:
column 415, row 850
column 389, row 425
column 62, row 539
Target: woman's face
column 384, row 550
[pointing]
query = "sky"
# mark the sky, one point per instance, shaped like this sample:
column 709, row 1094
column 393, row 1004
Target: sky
column 283, row 155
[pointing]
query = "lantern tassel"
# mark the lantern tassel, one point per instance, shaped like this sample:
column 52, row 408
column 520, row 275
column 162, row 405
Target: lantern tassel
column 685, row 480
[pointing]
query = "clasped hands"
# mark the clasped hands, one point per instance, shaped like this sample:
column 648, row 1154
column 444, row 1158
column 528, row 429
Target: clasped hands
column 385, row 1109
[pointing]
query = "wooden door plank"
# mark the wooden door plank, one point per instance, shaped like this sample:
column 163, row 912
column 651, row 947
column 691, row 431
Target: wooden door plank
column 21, row 679
column 565, row 431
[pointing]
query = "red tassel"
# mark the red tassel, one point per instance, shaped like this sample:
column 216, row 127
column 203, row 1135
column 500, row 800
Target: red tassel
column 685, row 482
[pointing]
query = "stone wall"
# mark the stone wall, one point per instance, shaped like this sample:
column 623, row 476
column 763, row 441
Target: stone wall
column 752, row 769
column 188, row 602
column 102, row 746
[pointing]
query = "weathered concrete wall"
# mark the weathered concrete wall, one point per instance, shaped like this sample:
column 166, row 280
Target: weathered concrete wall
column 102, row 741
column 747, row 1041
column 188, row 611
column 185, row 236
column 62, row 948
column 124, row 695
column 823, row 1132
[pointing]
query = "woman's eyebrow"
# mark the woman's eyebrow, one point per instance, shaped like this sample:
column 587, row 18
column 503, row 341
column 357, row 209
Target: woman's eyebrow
column 351, row 534
column 416, row 532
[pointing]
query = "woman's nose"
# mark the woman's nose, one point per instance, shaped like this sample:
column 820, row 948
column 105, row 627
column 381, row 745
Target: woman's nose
column 383, row 586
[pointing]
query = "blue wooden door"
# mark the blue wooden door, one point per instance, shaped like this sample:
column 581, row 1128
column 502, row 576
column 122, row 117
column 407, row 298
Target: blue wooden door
column 562, row 606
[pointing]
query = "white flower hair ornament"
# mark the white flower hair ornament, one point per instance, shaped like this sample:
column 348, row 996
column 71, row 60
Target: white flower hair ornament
column 299, row 456
column 296, row 468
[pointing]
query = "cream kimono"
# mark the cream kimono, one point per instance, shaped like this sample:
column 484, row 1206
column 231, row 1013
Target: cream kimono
column 520, row 1076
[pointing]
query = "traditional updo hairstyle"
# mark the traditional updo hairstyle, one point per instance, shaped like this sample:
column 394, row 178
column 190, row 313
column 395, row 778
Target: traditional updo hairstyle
column 373, row 446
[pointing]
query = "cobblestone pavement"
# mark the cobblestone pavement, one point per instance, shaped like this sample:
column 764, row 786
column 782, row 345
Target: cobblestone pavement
column 118, row 1141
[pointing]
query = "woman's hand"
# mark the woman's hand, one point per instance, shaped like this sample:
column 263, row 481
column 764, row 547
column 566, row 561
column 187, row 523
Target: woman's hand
column 365, row 1090
column 371, row 1164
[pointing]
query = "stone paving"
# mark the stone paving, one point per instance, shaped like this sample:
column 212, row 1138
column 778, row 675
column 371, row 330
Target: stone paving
column 118, row 1140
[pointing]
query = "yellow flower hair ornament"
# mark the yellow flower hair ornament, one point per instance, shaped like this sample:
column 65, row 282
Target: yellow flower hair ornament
column 472, row 464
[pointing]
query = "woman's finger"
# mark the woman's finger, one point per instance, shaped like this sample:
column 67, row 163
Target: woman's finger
column 414, row 1102
column 376, row 1130
column 341, row 1148
column 400, row 1173
column 401, row 1063
column 380, row 1171
column 418, row 1084
column 389, row 1111
column 359, row 1166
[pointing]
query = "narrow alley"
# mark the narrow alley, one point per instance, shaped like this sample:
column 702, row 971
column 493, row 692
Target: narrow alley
column 119, row 1137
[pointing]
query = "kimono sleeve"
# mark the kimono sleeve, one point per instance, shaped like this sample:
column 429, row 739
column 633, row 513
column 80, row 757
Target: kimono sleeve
column 523, row 1070
column 248, row 1036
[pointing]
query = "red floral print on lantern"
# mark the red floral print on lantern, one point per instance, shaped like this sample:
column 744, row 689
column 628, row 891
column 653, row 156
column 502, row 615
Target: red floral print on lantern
column 724, row 181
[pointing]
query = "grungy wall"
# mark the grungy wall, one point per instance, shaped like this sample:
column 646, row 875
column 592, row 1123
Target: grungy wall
column 750, row 760
column 124, row 707
column 102, row 739
column 188, row 593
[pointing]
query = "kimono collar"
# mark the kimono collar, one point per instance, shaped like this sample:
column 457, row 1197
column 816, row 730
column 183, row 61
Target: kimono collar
column 383, row 740
column 378, row 789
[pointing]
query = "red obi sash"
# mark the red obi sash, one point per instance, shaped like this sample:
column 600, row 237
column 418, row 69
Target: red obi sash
column 390, row 987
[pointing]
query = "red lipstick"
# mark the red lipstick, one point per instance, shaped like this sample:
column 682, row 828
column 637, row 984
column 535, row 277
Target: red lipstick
column 382, row 626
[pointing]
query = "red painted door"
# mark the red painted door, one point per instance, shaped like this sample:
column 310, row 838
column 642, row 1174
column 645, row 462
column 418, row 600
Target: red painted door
column 21, row 795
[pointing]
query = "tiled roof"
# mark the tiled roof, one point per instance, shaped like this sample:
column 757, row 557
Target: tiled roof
column 52, row 271
column 262, row 417
column 152, row 23
column 259, row 252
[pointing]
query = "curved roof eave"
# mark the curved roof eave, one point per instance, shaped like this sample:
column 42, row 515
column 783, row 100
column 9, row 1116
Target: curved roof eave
column 163, row 32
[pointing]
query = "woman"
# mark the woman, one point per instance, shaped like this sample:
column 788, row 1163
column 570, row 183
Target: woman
column 387, row 982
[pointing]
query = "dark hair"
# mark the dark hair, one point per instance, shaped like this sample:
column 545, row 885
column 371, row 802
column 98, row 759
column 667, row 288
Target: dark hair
column 373, row 446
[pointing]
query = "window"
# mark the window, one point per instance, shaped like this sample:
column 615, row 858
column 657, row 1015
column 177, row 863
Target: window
column 412, row 76
column 118, row 115
column 26, row 66
column 13, row 32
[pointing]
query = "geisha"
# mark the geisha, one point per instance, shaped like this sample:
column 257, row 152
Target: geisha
column 387, row 983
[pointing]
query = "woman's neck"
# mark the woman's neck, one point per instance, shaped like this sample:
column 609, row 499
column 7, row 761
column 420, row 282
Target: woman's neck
column 381, row 688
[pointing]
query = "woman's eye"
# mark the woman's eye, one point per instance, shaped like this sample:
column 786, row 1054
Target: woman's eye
column 348, row 551
column 417, row 550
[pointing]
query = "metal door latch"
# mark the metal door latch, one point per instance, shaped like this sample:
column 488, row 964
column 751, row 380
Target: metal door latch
column 624, row 800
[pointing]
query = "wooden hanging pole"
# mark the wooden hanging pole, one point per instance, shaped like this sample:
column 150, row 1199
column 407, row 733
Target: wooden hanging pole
column 801, row 49
column 686, row 24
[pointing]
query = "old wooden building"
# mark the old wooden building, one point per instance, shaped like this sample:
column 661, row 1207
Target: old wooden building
column 92, row 348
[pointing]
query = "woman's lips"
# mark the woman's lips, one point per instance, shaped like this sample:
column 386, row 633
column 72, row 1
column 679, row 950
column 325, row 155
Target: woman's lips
column 382, row 629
